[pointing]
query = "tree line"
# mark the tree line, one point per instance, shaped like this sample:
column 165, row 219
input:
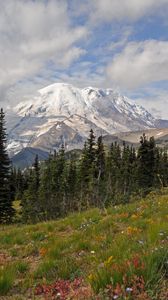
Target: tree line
column 99, row 177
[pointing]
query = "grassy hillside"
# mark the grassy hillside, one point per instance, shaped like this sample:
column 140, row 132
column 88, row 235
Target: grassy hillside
column 121, row 253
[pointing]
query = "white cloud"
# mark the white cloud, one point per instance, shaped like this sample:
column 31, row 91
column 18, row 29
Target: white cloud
column 139, row 64
column 33, row 35
column 40, row 39
column 132, row 10
column 156, row 104
column 122, row 38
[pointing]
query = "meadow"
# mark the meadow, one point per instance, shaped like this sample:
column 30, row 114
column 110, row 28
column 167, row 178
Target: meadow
column 118, row 253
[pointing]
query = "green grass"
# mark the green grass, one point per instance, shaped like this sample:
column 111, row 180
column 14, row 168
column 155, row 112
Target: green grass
column 100, row 247
column 7, row 277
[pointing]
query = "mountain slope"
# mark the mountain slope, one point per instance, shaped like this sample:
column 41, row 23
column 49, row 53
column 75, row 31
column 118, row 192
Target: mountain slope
column 26, row 157
column 133, row 137
column 62, row 113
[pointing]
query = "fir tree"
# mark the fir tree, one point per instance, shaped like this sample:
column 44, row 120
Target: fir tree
column 146, row 163
column 59, row 186
column 100, row 158
column 30, row 203
column 71, row 186
column 20, row 184
column 37, row 173
column 100, row 172
column 91, row 147
column 6, row 210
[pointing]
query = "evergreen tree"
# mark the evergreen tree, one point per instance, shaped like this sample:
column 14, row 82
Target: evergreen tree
column 125, row 172
column 100, row 186
column 91, row 147
column 100, row 159
column 72, row 203
column 6, row 209
column 59, row 186
column 30, row 203
column 146, row 163
column 89, row 167
column 163, row 168
column 46, row 191
column 20, row 184
column 114, row 174
column 83, row 178
column 37, row 172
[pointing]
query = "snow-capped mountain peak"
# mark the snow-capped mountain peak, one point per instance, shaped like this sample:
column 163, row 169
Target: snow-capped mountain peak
column 63, row 112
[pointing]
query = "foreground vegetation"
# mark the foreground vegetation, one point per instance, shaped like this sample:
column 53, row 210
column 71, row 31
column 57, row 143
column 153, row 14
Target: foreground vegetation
column 118, row 253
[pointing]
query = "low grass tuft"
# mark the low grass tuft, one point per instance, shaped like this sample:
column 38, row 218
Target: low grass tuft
column 7, row 277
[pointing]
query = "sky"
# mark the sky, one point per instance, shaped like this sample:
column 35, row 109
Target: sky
column 119, row 44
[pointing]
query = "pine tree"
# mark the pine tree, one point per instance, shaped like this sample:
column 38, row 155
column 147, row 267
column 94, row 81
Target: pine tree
column 100, row 158
column 146, row 163
column 163, row 167
column 90, row 169
column 6, row 210
column 91, row 147
column 46, row 191
column 20, row 184
column 125, row 172
column 30, row 202
column 114, row 174
column 37, row 172
column 71, row 187
column 100, row 178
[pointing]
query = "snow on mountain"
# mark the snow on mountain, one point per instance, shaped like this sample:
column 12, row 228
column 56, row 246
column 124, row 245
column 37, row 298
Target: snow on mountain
column 62, row 113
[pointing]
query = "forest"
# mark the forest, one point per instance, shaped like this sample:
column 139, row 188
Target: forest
column 99, row 177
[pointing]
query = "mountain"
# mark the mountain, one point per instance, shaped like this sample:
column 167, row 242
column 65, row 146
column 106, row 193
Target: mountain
column 26, row 156
column 61, row 113
column 133, row 137
column 162, row 123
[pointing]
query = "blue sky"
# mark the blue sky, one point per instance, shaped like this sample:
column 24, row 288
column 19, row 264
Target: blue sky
column 120, row 44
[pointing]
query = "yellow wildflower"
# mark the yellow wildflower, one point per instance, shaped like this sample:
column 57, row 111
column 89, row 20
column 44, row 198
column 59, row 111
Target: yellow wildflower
column 43, row 251
column 134, row 216
column 150, row 221
column 91, row 277
column 108, row 261
column 133, row 230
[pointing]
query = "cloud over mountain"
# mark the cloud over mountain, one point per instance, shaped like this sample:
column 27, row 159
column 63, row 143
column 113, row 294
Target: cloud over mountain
column 140, row 63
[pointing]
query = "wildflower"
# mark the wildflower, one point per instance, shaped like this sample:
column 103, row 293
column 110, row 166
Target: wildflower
column 129, row 290
column 42, row 251
column 132, row 230
column 115, row 296
column 150, row 221
column 108, row 261
column 91, row 277
column 100, row 238
column 141, row 242
column 82, row 252
column 134, row 216
column 92, row 252
column 101, row 265
column 58, row 294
